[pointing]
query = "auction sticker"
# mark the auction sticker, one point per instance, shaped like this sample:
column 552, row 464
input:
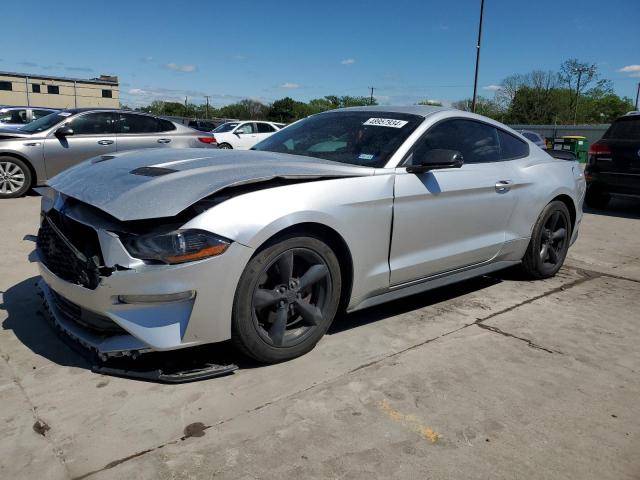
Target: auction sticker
column 386, row 122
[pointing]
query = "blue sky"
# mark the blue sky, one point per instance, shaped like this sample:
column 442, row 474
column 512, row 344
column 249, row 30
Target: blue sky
column 408, row 50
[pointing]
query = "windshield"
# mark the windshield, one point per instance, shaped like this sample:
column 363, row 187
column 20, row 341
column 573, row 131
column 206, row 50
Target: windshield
column 357, row 138
column 226, row 127
column 44, row 123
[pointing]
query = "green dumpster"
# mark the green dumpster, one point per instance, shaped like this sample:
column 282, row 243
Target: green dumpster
column 573, row 143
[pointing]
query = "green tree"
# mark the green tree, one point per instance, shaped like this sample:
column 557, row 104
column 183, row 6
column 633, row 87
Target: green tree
column 484, row 106
column 288, row 110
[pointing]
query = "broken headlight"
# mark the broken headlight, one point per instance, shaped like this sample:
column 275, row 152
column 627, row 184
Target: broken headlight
column 178, row 246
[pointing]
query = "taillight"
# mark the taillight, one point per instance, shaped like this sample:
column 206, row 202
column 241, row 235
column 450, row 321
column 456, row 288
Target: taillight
column 599, row 149
column 207, row 140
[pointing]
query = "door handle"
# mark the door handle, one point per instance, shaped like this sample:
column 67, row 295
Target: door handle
column 164, row 140
column 503, row 186
column 105, row 142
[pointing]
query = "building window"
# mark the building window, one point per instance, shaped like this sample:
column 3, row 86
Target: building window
column 6, row 85
column 107, row 94
column 35, row 88
column 53, row 89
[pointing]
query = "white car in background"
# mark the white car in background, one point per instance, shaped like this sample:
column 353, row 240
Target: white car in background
column 244, row 135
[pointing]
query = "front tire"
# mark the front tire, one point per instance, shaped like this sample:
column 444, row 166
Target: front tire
column 549, row 242
column 15, row 177
column 286, row 299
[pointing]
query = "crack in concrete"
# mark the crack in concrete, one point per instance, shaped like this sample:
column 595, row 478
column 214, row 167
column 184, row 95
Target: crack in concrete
column 586, row 276
column 511, row 335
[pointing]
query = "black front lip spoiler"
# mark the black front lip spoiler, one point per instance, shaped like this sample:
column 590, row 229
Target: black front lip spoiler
column 207, row 371
column 172, row 375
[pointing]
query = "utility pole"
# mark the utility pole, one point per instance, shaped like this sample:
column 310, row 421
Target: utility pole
column 371, row 98
column 475, row 79
column 186, row 108
column 207, row 108
column 637, row 95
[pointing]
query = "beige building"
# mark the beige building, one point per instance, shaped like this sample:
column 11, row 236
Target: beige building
column 58, row 92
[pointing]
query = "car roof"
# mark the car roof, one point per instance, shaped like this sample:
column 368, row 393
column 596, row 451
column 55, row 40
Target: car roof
column 14, row 107
column 421, row 110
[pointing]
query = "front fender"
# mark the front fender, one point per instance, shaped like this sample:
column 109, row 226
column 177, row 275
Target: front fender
column 359, row 209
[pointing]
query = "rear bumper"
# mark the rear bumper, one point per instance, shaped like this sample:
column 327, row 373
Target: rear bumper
column 205, row 318
column 616, row 182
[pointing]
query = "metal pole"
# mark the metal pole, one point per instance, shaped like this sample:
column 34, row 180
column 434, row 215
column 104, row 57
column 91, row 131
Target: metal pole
column 475, row 80
column 207, row 111
column 371, row 98
column 186, row 109
column 637, row 95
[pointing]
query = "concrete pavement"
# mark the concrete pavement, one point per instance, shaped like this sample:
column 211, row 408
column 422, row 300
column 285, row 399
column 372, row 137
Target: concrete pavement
column 493, row 378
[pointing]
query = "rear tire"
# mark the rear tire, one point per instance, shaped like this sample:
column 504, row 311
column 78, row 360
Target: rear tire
column 597, row 197
column 549, row 242
column 286, row 299
column 15, row 177
column 225, row 146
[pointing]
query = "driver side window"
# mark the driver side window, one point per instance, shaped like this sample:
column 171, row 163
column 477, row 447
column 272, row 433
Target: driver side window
column 477, row 141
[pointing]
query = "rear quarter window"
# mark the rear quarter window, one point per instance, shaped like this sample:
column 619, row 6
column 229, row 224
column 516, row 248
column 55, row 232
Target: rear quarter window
column 511, row 147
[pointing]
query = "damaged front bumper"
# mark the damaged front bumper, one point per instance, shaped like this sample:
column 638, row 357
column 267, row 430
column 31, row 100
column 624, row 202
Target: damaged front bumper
column 204, row 317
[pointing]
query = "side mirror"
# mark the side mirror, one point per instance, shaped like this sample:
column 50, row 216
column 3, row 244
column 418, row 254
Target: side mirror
column 64, row 131
column 435, row 159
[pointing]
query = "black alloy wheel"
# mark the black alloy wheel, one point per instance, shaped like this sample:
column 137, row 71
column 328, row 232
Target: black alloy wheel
column 286, row 299
column 290, row 297
column 549, row 242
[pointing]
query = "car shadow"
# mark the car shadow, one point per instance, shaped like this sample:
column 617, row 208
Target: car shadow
column 347, row 321
column 618, row 207
column 28, row 320
column 25, row 317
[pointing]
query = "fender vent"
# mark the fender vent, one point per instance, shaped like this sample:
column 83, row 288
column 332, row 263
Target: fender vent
column 152, row 171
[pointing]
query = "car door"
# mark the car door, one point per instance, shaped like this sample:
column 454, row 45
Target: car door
column 141, row 131
column 93, row 134
column 246, row 136
column 265, row 130
column 454, row 217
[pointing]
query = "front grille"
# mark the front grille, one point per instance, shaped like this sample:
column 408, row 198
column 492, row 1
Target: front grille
column 70, row 250
column 90, row 320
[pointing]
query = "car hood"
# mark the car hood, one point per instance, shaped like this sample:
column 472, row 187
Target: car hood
column 7, row 133
column 153, row 183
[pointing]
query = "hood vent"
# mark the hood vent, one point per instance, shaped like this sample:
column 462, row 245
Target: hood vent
column 152, row 171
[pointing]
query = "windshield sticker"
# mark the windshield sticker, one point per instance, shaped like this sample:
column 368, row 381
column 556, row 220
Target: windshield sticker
column 365, row 156
column 386, row 122
column 64, row 114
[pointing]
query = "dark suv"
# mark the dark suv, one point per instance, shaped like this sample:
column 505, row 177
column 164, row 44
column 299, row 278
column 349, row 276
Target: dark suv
column 614, row 162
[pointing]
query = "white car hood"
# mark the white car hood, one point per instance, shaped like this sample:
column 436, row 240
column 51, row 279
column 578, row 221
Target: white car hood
column 153, row 183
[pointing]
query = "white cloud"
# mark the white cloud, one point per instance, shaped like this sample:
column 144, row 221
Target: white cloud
column 492, row 88
column 348, row 61
column 289, row 85
column 630, row 69
column 180, row 68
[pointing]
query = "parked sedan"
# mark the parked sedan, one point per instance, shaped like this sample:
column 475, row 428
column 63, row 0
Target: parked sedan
column 15, row 117
column 43, row 148
column 243, row 135
column 156, row 250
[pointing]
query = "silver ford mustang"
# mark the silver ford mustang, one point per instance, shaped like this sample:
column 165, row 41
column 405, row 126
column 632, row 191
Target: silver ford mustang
column 165, row 249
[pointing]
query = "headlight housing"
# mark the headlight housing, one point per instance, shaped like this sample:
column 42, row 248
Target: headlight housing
column 178, row 246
